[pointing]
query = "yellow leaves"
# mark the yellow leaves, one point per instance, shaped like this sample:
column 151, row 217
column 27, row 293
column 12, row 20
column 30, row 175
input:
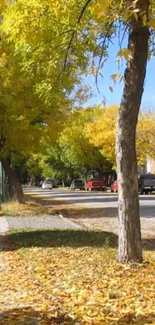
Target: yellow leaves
column 103, row 10
column 3, row 4
column 29, row 209
column 100, row 9
column 124, row 53
column 3, row 58
column 115, row 77
column 146, row 136
column 104, row 4
column 126, row 14
column 52, row 285
column 151, row 23
column 102, row 131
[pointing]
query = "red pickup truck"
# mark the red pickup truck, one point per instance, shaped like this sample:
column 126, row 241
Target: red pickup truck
column 95, row 184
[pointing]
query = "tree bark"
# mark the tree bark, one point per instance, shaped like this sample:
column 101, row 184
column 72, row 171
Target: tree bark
column 130, row 247
column 13, row 180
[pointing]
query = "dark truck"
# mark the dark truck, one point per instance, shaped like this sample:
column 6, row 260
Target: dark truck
column 146, row 183
column 77, row 184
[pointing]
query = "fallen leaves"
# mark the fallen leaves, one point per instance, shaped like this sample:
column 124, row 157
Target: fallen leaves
column 30, row 208
column 75, row 285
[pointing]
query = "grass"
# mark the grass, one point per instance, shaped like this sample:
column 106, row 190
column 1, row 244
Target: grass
column 72, row 277
column 60, row 238
column 36, row 207
column 30, row 208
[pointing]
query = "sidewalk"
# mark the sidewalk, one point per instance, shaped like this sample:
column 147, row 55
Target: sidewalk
column 4, row 227
column 53, row 222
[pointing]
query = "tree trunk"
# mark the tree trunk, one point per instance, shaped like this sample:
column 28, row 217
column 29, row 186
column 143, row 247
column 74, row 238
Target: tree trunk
column 130, row 247
column 13, row 180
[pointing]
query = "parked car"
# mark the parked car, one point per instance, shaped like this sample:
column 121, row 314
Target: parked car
column 95, row 184
column 38, row 183
column 47, row 184
column 114, row 186
column 146, row 183
column 77, row 184
column 54, row 183
column 67, row 182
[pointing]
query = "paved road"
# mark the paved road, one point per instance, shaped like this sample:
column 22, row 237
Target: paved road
column 108, row 201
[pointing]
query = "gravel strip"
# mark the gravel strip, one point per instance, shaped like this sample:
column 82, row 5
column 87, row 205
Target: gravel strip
column 110, row 224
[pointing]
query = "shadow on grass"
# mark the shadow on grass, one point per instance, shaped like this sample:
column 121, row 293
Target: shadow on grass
column 59, row 238
column 29, row 316
column 27, row 238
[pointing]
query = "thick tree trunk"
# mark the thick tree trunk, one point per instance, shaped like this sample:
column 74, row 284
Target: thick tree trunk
column 130, row 247
column 13, row 180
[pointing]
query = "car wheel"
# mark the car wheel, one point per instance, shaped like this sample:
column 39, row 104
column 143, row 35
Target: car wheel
column 141, row 191
column 146, row 191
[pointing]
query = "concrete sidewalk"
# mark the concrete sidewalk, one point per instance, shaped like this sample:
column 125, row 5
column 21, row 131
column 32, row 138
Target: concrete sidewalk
column 46, row 222
column 42, row 222
column 34, row 222
column 4, row 226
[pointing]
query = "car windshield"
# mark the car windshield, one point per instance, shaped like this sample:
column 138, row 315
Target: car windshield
column 95, row 180
column 78, row 181
column 48, row 182
column 147, row 177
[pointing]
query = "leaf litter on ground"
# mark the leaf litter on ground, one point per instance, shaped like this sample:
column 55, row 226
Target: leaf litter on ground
column 73, row 284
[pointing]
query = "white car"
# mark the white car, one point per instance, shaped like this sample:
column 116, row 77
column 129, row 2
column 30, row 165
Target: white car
column 47, row 184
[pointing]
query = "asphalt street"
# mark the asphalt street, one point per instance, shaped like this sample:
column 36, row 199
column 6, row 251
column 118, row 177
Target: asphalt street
column 93, row 200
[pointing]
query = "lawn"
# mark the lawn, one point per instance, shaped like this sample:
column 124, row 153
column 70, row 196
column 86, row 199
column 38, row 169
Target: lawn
column 72, row 277
column 30, row 208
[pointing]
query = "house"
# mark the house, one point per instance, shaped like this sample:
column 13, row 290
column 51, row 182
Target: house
column 150, row 165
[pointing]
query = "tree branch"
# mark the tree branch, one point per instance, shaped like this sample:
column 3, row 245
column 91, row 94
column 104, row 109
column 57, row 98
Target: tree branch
column 74, row 32
column 101, row 56
column 83, row 10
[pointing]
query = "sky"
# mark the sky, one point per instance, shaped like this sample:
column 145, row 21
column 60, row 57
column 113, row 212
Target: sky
column 111, row 67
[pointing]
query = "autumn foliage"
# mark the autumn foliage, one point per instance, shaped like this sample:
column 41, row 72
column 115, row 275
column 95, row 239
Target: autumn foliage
column 65, row 277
